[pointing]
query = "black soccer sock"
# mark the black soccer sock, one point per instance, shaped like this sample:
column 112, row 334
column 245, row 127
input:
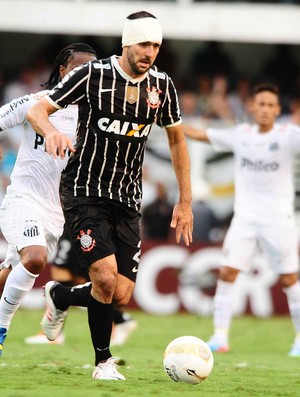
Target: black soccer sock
column 100, row 323
column 118, row 316
column 63, row 297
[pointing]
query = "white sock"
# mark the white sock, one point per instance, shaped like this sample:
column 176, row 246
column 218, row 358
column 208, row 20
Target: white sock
column 293, row 298
column 18, row 283
column 223, row 310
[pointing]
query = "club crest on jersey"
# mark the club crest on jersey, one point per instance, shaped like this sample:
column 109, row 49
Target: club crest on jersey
column 132, row 94
column 86, row 241
column 153, row 97
column 31, row 231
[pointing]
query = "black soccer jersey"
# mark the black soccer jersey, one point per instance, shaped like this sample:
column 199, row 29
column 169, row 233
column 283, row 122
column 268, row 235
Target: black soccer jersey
column 116, row 113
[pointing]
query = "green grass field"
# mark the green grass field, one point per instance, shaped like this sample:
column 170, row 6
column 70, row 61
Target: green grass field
column 257, row 365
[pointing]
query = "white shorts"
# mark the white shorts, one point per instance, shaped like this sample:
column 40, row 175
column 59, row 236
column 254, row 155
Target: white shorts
column 280, row 243
column 24, row 223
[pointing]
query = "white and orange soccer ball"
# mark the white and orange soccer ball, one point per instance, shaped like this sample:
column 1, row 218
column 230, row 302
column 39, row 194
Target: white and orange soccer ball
column 188, row 359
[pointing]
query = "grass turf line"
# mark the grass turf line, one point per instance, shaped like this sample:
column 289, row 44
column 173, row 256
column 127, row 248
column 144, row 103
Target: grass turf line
column 257, row 365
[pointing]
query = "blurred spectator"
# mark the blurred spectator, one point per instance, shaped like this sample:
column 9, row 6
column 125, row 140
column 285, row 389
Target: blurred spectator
column 239, row 100
column 203, row 86
column 8, row 154
column 1, row 87
column 29, row 80
column 157, row 216
column 219, row 107
column 188, row 103
column 211, row 70
column 295, row 110
column 149, row 188
column 168, row 60
column 205, row 220
column 283, row 70
column 211, row 61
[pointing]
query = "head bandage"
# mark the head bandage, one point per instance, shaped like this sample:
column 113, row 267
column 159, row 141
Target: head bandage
column 141, row 30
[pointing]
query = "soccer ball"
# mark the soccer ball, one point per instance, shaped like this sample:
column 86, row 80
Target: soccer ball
column 188, row 359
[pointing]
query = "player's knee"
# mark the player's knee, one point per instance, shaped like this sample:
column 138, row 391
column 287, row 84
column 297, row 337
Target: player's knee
column 121, row 301
column 287, row 280
column 35, row 260
column 228, row 274
column 104, row 286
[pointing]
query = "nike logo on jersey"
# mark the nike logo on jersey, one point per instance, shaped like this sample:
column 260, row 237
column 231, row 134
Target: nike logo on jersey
column 13, row 304
column 135, row 269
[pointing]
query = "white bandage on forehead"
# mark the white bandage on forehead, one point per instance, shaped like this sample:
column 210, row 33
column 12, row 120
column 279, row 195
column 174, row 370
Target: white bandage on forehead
column 141, row 30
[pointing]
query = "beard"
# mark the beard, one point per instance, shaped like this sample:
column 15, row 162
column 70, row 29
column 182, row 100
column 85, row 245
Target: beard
column 138, row 71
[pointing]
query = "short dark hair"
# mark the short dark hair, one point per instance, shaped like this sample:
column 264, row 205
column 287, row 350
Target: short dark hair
column 63, row 58
column 141, row 14
column 262, row 87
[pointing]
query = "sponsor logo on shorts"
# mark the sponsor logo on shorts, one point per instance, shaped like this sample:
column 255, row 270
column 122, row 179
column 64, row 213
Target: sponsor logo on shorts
column 86, row 241
column 135, row 269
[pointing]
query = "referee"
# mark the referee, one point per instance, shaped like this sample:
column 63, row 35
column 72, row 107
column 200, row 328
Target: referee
column 119, row 99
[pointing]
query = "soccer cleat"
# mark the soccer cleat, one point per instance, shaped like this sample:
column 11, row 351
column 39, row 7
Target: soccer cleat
column 53, row 320
column 295, row 350
column 41, row 339
column 107, row 370
column 121, row 332
column 216, row 345
column 3, row 333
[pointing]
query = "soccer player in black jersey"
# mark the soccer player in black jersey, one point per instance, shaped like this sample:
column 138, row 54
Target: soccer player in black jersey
column 119, row 99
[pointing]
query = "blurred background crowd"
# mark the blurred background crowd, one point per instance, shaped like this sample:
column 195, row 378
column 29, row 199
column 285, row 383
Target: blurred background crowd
column 214, row 90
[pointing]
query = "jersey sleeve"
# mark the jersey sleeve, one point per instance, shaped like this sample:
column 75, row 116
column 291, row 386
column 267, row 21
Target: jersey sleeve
column 14, row 112
column 170, row 115
column 222, row 140
column 72, row 88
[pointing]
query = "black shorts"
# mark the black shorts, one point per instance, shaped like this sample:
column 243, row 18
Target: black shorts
column 66, row 256
column 101, row 228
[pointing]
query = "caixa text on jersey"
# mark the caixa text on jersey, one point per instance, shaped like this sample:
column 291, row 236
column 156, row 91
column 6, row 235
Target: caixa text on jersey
column 124, row 127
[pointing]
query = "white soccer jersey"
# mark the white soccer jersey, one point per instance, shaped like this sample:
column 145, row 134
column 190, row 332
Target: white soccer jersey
column 35, row 174
column 263, row 168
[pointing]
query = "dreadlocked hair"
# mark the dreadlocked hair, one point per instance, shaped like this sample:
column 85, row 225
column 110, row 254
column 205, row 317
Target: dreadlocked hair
column 62, row 59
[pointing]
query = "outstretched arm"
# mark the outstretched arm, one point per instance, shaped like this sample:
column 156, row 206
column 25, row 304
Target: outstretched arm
column 182, row 218
column 195, row 133
column 56, row 143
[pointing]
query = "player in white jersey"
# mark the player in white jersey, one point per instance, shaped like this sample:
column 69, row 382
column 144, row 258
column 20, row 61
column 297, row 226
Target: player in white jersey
column 31, row 217
column 263, row 209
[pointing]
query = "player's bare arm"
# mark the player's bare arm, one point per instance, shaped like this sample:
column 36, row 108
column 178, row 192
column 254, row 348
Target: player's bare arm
column 195, row 133
column 182, row 218
column 56, row 143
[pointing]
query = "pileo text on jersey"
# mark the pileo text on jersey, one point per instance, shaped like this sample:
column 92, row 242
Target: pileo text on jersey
column 124, row 127
column 259, row 165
